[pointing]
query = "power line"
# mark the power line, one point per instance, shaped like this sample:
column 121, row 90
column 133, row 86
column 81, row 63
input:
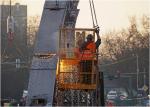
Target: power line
column 134, row 73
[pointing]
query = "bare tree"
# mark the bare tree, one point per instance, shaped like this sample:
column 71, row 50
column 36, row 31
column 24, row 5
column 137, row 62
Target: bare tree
column 32, row 28
column 119, row 49
column 125, row 43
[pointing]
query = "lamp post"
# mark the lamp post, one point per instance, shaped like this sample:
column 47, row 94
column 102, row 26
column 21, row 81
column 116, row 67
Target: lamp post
column 137, row 69
column 144, row 77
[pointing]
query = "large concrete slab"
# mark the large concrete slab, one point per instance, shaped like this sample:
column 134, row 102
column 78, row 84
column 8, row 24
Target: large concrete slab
column 43, row 71
column 42, row 79
column 47, row 37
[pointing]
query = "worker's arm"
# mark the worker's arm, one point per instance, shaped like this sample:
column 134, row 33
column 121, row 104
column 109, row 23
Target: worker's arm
column 98, row 42
column 97, row 33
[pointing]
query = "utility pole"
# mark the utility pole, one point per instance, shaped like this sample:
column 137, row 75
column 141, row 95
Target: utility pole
column 137, row 69
column 144, row 77
column 10, row 8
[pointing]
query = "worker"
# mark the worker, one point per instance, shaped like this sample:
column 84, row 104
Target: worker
column 88, row 55
column 87, row 44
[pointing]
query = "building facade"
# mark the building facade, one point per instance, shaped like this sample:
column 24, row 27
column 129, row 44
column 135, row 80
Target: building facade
column 14, row 75
column 17, row 47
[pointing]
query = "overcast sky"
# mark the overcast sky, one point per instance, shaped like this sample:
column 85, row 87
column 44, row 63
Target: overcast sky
column 111, row 14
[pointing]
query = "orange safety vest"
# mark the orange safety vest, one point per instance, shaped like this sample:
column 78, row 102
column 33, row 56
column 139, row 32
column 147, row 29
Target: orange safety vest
column 89, row 52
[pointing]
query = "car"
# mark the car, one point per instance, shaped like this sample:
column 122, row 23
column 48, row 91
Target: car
column 122, row 95
column 109, row 103
column 148, row 103
column 48, row 105
column 141, row 93
column 112, row 95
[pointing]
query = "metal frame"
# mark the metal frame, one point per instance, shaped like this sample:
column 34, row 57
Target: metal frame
column 75, row 85
column 63, row 32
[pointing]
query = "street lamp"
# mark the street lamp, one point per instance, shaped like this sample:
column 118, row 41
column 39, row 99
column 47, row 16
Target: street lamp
column 137, row 66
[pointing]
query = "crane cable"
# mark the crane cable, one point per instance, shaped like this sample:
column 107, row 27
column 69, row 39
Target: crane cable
column 96, row 27
column 93, row 14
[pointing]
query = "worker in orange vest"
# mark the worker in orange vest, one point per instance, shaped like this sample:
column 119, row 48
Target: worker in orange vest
column 88, row 54
column 90, row 44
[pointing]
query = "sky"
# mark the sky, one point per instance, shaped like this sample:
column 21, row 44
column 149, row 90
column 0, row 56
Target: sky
column 111, row 14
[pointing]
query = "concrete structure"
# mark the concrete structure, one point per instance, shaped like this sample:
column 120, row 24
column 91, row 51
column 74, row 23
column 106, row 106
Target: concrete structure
column 42, row 78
